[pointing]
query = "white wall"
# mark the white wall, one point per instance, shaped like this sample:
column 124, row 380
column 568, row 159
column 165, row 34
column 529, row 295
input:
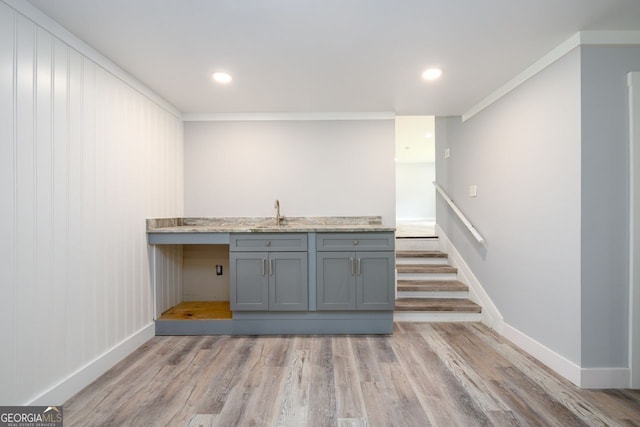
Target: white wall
column 523, row 153
column 84, row 159
column 634, row 258
column 200, row 281
column 605, row 203
column 315, row 168
column 415, row 193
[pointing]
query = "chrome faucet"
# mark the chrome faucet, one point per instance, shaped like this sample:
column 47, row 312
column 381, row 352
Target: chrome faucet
column 279, row 217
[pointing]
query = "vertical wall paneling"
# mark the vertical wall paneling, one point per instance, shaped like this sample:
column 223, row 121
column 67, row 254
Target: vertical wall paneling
column 44, row 202
column 100, row 253
column 60, row 158
column 24, row 199
column 89, row 212
column 7, row 194
column 84, row 160
column 109, row 113
column 147, row 292
column 158, row 275
column 168, row 276
column 76, row 294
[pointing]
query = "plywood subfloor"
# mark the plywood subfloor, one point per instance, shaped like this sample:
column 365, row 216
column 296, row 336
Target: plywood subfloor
column 198, row 310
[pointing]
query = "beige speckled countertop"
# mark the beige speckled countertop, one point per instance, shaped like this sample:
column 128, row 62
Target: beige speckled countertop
column 266, row 225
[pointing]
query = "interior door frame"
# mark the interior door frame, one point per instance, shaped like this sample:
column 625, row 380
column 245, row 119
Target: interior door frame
column 633, row 80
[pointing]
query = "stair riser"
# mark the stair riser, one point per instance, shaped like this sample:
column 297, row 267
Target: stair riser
column 432, row 294
column 420, row 316
column 427, row 276
column 417, row 244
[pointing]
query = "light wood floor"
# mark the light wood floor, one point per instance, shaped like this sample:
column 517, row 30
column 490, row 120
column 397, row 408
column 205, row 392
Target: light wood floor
column 445, row 374
column 415, row 229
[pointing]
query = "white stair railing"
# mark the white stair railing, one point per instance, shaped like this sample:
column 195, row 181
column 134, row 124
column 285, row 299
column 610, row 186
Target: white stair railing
column 458, row 212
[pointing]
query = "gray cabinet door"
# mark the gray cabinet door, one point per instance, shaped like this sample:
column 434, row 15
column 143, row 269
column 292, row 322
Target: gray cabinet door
column 375, row 272
column 288, row 281
column 249, row 281
column 335, row 287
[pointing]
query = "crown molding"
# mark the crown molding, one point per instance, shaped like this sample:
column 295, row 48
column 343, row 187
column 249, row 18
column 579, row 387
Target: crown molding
column 609, row 38
column 241, row 117
column 582, row 38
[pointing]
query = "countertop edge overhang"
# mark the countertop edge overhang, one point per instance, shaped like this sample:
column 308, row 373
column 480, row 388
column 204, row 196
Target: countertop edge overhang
column 267, row 225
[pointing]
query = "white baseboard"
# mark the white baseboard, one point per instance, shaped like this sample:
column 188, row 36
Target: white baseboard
column 490, row 314
column 65, row 389
column 605, row 378
column 586, row 378
column 553, row 360
column 581, row 377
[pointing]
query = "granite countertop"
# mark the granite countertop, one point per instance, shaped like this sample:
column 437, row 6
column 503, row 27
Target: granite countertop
column 266, row 225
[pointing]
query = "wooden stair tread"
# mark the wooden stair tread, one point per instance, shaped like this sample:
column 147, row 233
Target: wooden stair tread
column 420, row 254
column 437, row 304
column 425, row 268
column 431, row 285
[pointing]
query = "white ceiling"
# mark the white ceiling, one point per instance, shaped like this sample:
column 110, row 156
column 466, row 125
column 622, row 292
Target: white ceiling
column 331, row 55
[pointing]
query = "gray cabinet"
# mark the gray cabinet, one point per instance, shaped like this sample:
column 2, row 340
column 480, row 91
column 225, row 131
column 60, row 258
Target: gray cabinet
column 355, row 271
column 269, row 272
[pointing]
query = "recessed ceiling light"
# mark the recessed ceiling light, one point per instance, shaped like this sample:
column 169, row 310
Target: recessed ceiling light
column 223, row 78
column 428, row 135
column 432, row 74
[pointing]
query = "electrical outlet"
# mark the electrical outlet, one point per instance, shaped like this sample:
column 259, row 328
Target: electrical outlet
column 218, row 270
column 473, row 190
column 447, row 153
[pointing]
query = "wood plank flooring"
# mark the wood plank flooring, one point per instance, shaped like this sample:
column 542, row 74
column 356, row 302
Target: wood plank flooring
column 441, row 374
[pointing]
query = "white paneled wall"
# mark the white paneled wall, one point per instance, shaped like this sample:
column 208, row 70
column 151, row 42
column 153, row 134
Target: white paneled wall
column 84, row 159
column 168, row 277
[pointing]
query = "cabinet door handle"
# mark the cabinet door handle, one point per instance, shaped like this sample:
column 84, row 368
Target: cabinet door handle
column 359, row 259
column 270, row 267
column 264, row 266
column 351, row 260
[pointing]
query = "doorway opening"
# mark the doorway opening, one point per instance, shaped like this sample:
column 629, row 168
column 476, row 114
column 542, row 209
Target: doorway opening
column 415, row 173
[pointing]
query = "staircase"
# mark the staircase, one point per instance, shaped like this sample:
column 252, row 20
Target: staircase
column 427, row 286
